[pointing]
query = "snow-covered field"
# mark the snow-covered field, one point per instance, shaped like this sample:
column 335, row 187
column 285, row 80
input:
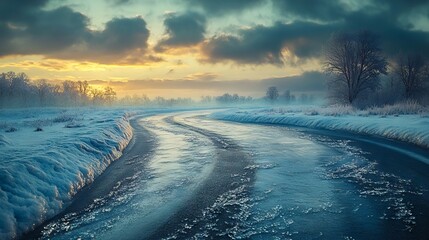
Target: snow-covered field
column 47, row 155
column 407, row 122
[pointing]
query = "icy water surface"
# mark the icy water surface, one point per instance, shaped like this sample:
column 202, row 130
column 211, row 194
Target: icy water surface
column 291, row 184
column 181, row 162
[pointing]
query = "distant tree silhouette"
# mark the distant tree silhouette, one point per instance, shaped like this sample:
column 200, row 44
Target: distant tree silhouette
column 272, row 94
column 44, row 90
column 233, row 99
column 109, row 95
column 286, row 96
column 355, row 61
column 96, row 96
column 413, row 72
column 16, row 90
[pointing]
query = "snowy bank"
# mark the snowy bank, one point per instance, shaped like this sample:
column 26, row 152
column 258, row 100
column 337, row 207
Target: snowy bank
column 47, row 155
column 411, row 128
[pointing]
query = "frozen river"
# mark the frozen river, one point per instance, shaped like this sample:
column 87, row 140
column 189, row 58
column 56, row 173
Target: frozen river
column 203, row 178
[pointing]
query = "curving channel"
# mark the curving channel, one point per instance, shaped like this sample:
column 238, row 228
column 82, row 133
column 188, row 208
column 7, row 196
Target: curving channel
column 202, row 178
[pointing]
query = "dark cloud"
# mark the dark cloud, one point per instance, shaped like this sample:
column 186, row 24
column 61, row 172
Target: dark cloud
column 26, row 27
column 122, row 34
column 43, row 32
column 397, row 7
column 310, row 9
column 222, row 7
column 264, row 44
column 121, row 38
column 64, row 33
column 17, row 10
column 304, row 38
column 183, row 30
column 336, row 10
column 394, row 37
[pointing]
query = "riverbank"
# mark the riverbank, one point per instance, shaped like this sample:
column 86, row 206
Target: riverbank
column 50, row 154
column 106, row 186
column 409, row 128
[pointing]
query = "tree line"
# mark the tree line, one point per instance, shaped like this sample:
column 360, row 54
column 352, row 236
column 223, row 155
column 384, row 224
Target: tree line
column 361, row 75
column 356, row 62
column 16, row 90
column 224, row 99
column 273, row 95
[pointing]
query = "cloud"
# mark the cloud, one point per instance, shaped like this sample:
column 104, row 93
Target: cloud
column 202, row 76
column 123, row 41
column 64, row 33
column 265, row 44
column 17, row 10
column 222, row 7
column 42, row 31
column 182, row 30
column 304, row 37
column 55, row 65
column 27, row 27
column 394, row 37
column 327, row 10
column 309, row 9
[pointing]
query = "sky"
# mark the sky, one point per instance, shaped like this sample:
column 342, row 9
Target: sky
column 190, row 48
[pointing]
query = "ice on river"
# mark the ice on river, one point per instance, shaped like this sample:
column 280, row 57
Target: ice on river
column 408, row 128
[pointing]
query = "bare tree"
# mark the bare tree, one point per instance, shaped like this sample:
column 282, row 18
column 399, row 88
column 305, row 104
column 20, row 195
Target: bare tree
column 109, row 95
column 286, row 96
column 355, row 61
column 16, row 90
column 413, row 71
column 70, row 92
column 97, row 96
column 43, row 90
column 83, row 89
column 4, row 88
column 272, row 94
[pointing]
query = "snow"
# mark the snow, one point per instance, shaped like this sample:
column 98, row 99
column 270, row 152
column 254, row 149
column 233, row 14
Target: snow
column 41, row 170
column 410, row 128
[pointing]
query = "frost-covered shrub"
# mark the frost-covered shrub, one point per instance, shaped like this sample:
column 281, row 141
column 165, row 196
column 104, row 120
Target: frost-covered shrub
column 39, row 123
column 11, row 129
column 339, row 110
column 335, row 110
column 64, row 118
column 73, row 124
column 401, row 108
column 312, row 113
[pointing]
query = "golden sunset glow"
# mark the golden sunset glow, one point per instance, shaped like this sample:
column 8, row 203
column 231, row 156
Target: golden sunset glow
column 115, row 43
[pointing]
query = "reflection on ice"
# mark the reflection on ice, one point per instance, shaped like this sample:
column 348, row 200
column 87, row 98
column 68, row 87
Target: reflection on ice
column 305, row 186
column 148, row 197
column 307, row 183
